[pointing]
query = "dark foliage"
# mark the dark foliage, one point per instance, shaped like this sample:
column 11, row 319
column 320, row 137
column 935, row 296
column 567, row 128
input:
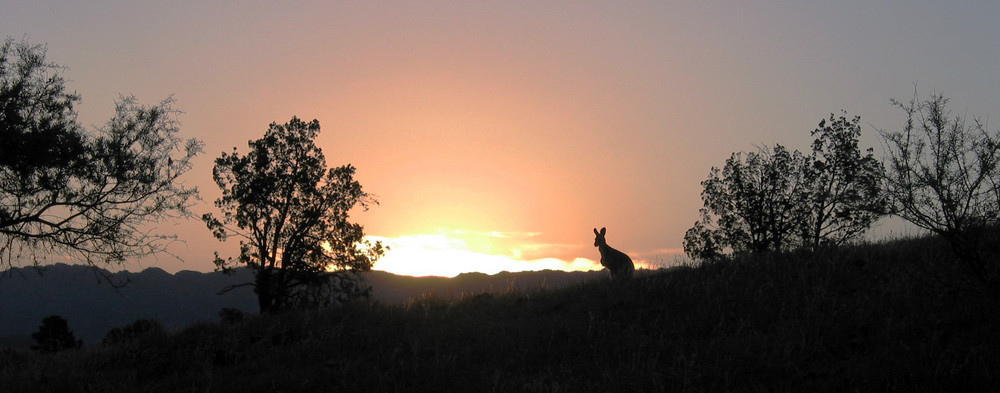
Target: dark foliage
column 137, row 329
column 776, row 199
column 843, row 193
column 230, row 316
column 750, row 205
column 291, row 215
column 89, row 195
column 54, row 336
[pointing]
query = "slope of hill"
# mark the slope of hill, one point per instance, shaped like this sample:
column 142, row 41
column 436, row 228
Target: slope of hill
column 392, row 289
column 871, row 318
column 93, row 306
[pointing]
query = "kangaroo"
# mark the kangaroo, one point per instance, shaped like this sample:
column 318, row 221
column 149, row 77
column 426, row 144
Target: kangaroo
column 616, row 261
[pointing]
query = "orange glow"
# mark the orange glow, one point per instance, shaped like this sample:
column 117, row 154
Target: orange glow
column 451, row 253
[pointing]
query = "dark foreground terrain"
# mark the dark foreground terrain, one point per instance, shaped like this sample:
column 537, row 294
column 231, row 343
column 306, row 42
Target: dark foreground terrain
column 85, row 297
column 896, row 317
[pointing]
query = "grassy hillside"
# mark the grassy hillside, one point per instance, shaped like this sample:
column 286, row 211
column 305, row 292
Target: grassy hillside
column 92, row 307
column 891, row 317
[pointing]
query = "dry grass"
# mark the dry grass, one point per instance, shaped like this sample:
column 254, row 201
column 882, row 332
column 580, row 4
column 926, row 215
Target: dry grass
column 880, row 318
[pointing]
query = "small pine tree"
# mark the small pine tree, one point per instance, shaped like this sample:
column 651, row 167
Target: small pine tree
column 54, row 336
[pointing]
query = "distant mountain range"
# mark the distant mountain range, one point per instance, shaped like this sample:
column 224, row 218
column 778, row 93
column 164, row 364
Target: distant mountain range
column 92, row 306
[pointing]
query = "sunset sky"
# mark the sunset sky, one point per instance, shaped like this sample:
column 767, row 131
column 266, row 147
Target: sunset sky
column 496, row 135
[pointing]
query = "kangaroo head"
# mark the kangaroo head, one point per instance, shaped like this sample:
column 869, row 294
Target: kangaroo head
column 599, row 239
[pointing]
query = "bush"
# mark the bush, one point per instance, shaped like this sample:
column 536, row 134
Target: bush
column 231, row 316
column 139, row 328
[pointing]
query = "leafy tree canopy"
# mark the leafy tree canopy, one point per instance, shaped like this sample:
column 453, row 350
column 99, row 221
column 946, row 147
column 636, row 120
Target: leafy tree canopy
column 775, row 199
column 843, row 192
column 749, row 204
column 291, row 215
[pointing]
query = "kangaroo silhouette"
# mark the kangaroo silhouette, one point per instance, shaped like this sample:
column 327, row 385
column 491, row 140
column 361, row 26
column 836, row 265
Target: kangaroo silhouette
column 616, row 261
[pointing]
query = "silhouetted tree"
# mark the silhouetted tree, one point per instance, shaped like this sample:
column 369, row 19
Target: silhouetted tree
column 944, row 176
column 843, row 194
column 775, row 199
column 291, row 214
column 750, row 205
column 139, row 328
column 704, row 241
column 54, row 336
column 83, row 194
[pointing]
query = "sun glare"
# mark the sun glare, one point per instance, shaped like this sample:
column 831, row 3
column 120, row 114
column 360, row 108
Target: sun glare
column 451, row 253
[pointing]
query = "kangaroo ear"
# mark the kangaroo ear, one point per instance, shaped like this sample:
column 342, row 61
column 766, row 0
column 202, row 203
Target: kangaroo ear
column 595, row 231
column 603, row 231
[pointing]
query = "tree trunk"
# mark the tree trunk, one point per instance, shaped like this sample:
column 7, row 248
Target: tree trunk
column 265, row 292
